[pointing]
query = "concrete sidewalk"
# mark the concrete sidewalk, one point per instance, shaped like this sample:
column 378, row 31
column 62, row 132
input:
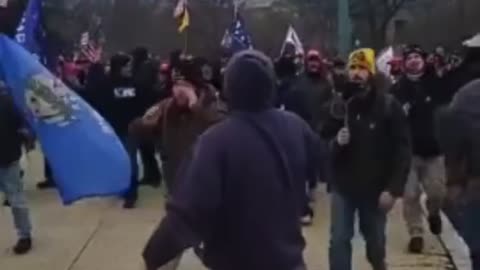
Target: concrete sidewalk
column 99, row 235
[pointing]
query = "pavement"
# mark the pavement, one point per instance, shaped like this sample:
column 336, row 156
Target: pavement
column 98, row 234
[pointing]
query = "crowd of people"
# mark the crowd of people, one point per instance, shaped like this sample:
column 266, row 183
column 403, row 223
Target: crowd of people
column 245, row 141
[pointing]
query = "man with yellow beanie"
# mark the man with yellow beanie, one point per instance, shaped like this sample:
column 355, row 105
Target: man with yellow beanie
column 368, row 134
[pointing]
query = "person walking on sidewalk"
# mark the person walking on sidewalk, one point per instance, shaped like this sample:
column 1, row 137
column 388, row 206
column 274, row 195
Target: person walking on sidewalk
column 242, row 191
column 421, row 94
column 369, row 140
column 12, row 135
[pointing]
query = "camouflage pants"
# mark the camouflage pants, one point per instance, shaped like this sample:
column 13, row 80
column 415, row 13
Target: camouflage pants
column 426, row 175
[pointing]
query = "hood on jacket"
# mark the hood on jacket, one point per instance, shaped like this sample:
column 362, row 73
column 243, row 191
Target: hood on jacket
column 250, row 82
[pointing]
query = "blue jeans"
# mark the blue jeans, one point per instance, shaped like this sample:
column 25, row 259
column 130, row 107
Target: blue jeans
column 372, row 226
column 11, row 184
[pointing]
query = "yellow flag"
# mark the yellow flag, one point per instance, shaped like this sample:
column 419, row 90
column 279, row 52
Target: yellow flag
column 185, row 22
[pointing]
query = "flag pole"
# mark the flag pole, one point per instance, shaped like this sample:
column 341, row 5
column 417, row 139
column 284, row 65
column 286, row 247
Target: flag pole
column 185, row 40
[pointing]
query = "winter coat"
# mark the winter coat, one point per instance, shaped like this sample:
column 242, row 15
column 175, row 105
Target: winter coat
column 420, row 101
column 378, row 156
column 179, row 128
column 458, row 131
column 241, row 193
column 122, row 101
column 308, row 98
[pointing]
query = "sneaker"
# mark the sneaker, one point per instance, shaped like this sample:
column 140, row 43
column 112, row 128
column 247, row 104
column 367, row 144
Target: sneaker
column 23, row 246
column 416, row 245
column 46, row 184
column 130, row 203
column 435, row 223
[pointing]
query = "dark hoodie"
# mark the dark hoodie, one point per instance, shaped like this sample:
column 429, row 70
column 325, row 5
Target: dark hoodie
column 242, row 192
column 122, row 101
column 458, row 131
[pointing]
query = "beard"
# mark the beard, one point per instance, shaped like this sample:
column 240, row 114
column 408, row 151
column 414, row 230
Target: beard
column 354, row 88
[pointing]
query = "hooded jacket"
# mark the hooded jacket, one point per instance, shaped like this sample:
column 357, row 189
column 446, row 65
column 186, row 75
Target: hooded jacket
column 242, row 191
column 458, row 132
column 377, row 159
column 420, row 100
column 123, row 101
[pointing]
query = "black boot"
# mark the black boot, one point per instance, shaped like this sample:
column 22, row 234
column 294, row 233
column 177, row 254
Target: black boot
column 6, row 203
column 416, row 245
column 435, row 223
column 129, row 204
column 23, row 246
column 46, row 184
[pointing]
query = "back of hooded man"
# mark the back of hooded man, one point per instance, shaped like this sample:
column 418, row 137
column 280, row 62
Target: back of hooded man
column 242, row 191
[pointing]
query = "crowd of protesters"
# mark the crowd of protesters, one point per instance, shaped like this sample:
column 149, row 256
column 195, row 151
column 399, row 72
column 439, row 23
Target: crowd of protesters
column 244, row 143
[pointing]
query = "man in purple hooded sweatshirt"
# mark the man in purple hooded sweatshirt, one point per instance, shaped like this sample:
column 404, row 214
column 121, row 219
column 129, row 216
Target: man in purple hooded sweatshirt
column 241, row 193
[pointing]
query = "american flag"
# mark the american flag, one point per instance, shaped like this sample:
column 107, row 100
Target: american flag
column 236, row 37
column 90, row 49
column 91, row 41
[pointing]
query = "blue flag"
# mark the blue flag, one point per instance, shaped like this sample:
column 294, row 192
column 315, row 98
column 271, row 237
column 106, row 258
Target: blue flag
column 86, row 157
column 236, row 37
column 30, row 32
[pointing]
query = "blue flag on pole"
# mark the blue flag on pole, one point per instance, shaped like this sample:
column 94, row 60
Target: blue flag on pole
column 30, row 32
column 86, row 157
column 236, row 37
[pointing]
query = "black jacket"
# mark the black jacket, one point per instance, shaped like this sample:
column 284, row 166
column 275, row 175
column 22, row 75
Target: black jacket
column 123, row 103
column 420, row 101
column 10, row 139
column 308, row 98
column 378, row 156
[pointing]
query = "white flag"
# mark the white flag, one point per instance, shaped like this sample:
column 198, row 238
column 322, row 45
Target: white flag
column 180, row 8
column 474, row 42
column 383, row 61
column 292, row 38
column 3, row 3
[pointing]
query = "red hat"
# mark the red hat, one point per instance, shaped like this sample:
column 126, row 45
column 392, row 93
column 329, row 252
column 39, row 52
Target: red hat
column 164, row 67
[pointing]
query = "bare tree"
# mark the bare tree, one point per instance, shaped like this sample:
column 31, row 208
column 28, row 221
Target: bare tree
column 377, row 14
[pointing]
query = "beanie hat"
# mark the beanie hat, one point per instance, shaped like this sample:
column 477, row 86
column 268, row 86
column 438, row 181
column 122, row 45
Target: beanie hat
column 364, row 58
column 413, row 48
